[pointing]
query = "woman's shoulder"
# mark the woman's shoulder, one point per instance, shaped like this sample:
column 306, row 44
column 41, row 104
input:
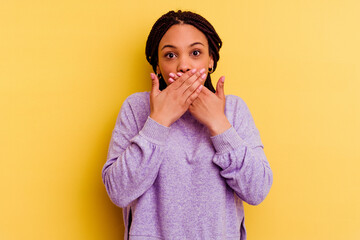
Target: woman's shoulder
column 233, row 101
column 236, row 110
column 138, row 97
column 137, row 100
column 135, row 107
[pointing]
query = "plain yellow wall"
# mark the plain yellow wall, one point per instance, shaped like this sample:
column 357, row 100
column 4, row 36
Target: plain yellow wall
column 67, row 66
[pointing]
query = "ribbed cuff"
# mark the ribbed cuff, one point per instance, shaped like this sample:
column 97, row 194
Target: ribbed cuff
column 155, row 132
column 227, row 141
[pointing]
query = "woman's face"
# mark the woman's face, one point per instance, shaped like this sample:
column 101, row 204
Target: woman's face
column 182, row 48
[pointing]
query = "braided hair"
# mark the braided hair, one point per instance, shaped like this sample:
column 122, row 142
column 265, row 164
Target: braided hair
column 182, row 17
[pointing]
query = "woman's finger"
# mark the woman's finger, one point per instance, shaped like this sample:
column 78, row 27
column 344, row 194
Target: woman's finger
column 155, row 84
column 191, row 80
column 194, row 86
column 194, row 95
column 174, row 76
column 178, row 83
column 220, row 88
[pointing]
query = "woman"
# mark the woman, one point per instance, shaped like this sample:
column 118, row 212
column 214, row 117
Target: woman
column 184, row 157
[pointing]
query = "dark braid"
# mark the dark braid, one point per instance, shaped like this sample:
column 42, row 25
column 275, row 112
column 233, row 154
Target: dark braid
column 171, row 18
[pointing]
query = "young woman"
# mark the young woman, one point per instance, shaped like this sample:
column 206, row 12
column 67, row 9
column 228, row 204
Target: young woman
column 184, row 157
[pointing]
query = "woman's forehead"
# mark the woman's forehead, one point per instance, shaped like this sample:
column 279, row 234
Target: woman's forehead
column 183, row 35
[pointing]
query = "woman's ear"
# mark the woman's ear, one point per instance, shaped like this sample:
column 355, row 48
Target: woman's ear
column 158, row 69
column 211, row 62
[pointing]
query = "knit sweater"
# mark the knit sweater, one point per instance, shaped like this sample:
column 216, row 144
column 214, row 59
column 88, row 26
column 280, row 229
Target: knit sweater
column 178, row 182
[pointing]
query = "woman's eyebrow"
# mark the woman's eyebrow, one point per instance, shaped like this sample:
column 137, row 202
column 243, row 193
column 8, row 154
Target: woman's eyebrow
column 172, row 46
column 195, row 43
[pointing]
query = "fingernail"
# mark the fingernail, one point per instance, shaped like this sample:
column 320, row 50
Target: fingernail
column 179, row 74
column 202, row 70
column 171, row 75
column 193, row 71
column 222, row 79
column 203, row 76
column 152, row 75
column 171, row 80
column 200, row 87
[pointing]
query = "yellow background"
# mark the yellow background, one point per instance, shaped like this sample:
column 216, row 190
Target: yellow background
column 67, row 66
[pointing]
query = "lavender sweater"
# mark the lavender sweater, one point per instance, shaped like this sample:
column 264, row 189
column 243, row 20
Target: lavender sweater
column 180, row 183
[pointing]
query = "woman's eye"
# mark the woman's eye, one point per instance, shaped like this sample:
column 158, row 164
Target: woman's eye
column 196, row 53
column 170, row 55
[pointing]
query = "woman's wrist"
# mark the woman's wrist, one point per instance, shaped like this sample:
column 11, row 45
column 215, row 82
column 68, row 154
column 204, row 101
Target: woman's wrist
column 160, row 120
column 219, row 126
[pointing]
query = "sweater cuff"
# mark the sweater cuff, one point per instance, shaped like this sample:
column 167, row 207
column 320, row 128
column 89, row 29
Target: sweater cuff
column 227, row 141
column 155, row 132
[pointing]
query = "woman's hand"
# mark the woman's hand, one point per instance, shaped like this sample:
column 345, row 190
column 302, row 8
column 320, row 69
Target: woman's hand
column 169, row 105
column 209, row 109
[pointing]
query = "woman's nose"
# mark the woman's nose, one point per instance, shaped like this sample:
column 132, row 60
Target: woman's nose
column 183, row 65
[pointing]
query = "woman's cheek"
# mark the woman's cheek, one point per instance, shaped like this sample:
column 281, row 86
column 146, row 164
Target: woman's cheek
column 166, row 78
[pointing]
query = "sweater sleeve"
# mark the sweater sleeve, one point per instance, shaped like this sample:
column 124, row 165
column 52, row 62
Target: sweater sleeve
column 134, row 155
column 240, row 155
